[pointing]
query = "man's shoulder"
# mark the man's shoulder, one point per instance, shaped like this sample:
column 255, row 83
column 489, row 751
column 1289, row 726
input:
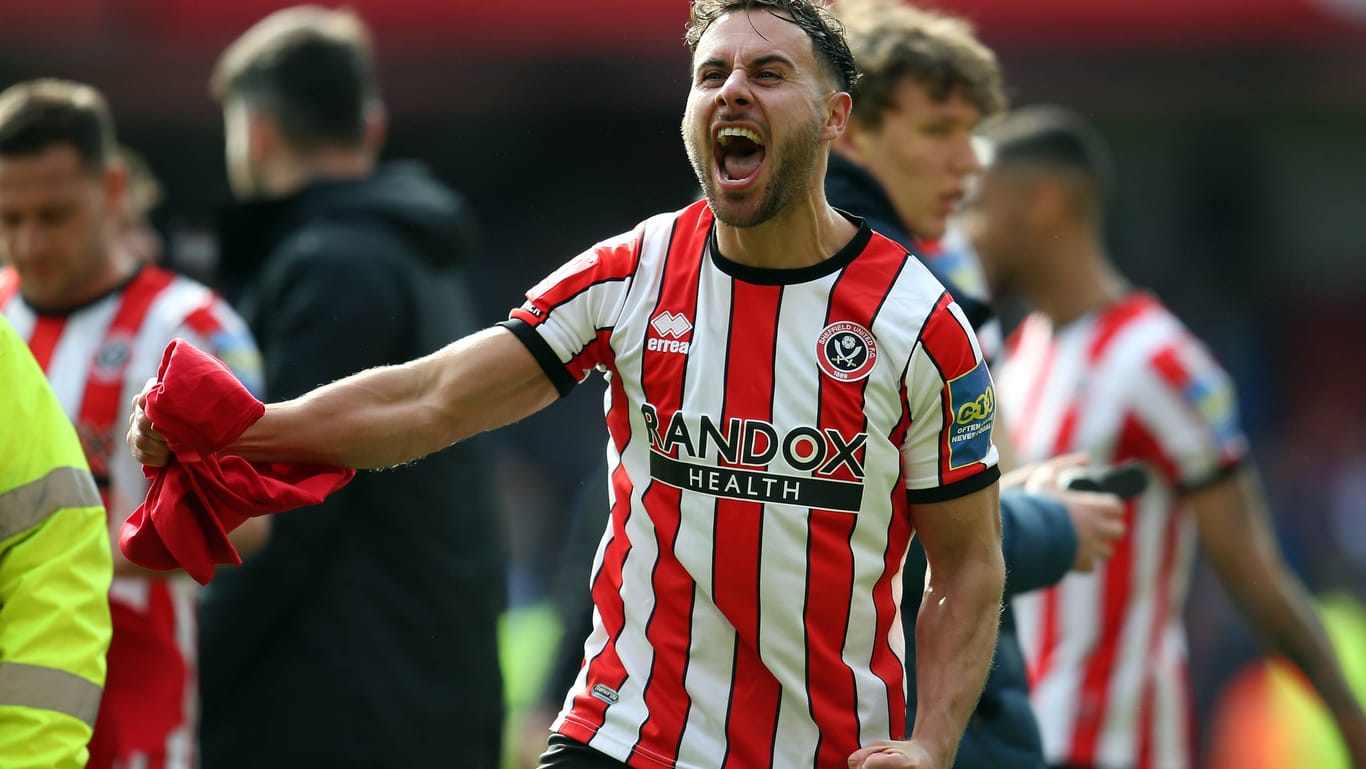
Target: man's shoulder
column 652, row 238
column 398, row 211
column 174, row 298
column 336, row 236
column 341, row 252
column 1127, row 335
column 1162, row 332
column 177, row 306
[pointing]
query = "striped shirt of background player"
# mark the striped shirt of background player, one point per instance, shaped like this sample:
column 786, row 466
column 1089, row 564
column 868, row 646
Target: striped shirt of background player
column 1106, row 651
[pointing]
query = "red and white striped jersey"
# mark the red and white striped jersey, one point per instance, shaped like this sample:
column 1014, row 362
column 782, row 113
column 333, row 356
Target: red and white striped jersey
column 1106, row 651
column 767, row 431
column 97, row 358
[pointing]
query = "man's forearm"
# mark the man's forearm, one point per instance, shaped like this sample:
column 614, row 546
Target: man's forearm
column 955, row 640
column 1239, row 540
column 394, row 414
column 1284, row 613
column 371, row 419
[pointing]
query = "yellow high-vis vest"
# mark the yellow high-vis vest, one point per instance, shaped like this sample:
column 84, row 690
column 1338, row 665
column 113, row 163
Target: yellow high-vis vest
column 55, row 570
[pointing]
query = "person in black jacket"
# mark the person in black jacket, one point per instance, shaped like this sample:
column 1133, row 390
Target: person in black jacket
column 903, row 164
column 364, row 634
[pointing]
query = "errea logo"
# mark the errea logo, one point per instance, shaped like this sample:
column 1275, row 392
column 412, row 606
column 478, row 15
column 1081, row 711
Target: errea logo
column 668, row 324
column 668, row 330
column 606, row 693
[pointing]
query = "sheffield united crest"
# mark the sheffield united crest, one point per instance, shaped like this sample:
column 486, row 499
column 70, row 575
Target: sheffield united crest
column 112, row 358
column 846, row 351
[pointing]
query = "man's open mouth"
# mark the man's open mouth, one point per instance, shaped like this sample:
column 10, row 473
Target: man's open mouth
column 739, row 153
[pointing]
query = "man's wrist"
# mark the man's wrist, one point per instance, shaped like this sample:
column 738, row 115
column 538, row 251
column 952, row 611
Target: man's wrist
column 941, row 751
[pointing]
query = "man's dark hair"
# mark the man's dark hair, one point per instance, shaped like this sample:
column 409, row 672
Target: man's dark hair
column 308, row 67
column 813, row 17
column 892, row 41
column 37, row 114
column 1055, row 138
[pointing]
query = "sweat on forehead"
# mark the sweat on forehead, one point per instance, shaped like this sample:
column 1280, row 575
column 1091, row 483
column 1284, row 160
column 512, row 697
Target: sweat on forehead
column 813, row 17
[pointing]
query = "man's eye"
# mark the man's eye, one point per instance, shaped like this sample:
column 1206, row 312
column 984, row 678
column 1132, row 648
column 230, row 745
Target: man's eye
column 768, row 74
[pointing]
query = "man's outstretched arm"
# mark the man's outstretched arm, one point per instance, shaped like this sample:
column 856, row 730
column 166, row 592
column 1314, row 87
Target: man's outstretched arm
column 392, row 414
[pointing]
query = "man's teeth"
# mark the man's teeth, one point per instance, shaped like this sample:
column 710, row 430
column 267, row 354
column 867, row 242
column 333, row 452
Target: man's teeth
column 723, row 136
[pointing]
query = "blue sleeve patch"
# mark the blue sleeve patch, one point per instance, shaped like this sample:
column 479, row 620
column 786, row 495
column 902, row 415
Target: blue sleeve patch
column 972, row 403
column 1214, row 400
column 238, row 351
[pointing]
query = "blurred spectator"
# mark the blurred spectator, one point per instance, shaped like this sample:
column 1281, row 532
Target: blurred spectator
column 54, row 575
column 1103, row 368
column 144, row 194
column 97, row 320
column 1347, row 503
column 364, row 634
column 1269, row 717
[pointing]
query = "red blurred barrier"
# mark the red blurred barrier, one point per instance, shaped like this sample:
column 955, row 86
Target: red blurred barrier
column 535, row 28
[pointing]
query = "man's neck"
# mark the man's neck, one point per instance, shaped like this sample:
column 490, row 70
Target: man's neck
column 1079, row 279
column 117, row 268
column 289, row 176
column 805, row 233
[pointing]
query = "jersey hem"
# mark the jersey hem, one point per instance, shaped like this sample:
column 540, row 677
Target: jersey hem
column 577, row 730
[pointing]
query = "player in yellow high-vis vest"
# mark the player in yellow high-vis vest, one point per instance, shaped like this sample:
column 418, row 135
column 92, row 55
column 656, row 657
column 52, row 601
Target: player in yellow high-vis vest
column 55, row 570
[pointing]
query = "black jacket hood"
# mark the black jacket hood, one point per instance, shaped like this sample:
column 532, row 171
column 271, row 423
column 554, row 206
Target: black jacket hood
column 402, row 195
column 849, row 187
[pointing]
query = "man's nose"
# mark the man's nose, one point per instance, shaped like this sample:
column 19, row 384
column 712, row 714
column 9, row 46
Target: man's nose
column 965, row 158
column 28, row 239
column 736, row 90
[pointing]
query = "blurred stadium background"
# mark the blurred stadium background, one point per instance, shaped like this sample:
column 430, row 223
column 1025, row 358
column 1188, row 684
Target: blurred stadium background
column 1239, row 128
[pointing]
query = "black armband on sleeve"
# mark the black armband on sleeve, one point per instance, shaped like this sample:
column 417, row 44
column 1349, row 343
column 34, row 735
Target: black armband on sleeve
column 540, row 350
column 955, row 490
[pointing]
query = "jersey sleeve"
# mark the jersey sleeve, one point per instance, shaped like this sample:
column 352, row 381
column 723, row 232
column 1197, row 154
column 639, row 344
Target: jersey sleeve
column 1187, row 405
column 215, row 328
column 568, row 317
column 951, row 402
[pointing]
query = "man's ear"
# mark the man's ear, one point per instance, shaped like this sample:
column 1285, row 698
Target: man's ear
column 376, row 127
column 115, row 183
column 1050, row 202
column 838, row 108
column 263, row 136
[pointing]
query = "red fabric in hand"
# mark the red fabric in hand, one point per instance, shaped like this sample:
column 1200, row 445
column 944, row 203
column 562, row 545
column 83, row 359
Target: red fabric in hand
column 201, row 495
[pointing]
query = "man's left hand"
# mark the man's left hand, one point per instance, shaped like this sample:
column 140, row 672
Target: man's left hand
column 886, row 754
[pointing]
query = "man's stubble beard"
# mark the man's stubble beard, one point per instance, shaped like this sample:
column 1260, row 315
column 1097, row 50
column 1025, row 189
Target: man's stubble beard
column 797, row 158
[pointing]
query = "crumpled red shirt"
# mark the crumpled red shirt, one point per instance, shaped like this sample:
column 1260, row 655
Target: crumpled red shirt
column 201, row 495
